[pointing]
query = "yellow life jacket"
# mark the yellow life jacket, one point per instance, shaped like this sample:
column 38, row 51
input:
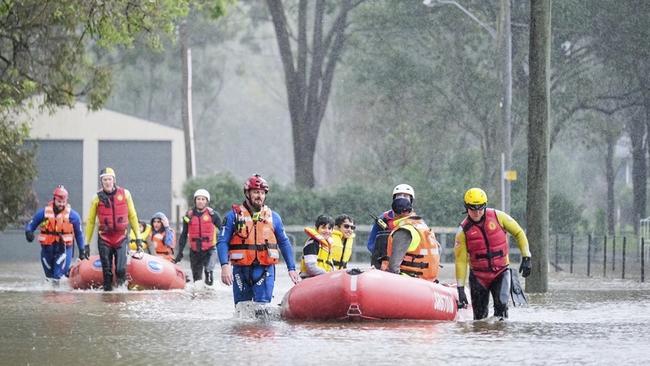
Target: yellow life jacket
column 323, row 258
column 341, row 249
column 144, row 235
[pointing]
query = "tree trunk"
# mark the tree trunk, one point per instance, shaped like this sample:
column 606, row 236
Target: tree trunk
column 637, row 131
column 538, row 143
column 610, row 177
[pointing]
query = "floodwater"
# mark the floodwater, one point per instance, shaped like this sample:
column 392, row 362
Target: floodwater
column 579, row 321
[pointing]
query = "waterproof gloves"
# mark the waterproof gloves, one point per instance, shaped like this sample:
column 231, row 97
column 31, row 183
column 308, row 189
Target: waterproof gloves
column 525, row 267
column 84, row 254
column 138, row 244
column 29, row 235
column 462, row 298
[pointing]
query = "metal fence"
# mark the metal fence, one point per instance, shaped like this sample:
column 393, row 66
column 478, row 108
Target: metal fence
column 608, row 256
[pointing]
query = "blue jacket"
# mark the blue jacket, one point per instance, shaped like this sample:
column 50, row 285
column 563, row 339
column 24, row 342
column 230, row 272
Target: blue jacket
column 75, row 220
column 228, row 229
column 373, row 232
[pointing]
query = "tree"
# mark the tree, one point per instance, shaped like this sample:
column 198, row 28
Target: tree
column 309, row 73
column 43, row 52
column 15, row 182
column 621, row 42
column 537, row 198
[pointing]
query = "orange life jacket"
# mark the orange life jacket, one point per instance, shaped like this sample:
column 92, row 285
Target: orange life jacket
column 201, row 230
column 114, row 218
column 422, row 261
column 253, row 241
column 158, row 240
column 487, row 245
column 56, row 228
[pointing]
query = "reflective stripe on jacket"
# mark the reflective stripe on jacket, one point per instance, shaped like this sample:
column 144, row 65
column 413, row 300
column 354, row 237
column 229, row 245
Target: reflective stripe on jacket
column 422, row 258
column 56, row 228
column 253, row 241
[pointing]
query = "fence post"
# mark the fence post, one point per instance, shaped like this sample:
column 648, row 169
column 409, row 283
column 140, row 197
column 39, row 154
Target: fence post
column 614, row 253
column 557, row 257
column 623, row 261
column 571, row 256
column 588, row 255
column 642, row 259
column 605, row 256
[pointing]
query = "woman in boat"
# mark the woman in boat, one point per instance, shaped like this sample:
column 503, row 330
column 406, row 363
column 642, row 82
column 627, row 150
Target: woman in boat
column 162, row 236
column 342, row 241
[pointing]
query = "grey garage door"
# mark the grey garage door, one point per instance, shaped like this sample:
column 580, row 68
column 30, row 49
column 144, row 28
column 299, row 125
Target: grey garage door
column 59, row 162
column 144, row 168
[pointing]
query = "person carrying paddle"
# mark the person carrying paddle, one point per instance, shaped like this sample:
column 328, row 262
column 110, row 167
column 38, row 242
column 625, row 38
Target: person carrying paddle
column 59, row 227
column 481, row 242
column 251, row 240
column 112, row 206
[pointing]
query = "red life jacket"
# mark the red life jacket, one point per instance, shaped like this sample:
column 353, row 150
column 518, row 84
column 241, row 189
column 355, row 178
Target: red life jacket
column 114, row 218
column 423, row 261
column 201, row 230
column 487, row 245
column 56, row 228
column 253, row 241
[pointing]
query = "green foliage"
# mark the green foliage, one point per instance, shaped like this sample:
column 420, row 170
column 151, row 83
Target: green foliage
column 16, row 171
column 45, row 42
column 566, row 217
column 440, row 202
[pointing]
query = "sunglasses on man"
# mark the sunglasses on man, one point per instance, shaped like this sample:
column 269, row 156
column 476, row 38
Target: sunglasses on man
column 475, row 207
column 348, row 226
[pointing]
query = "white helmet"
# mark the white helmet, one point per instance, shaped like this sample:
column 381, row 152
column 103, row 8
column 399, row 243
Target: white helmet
column 404, row 188
column 202, row 192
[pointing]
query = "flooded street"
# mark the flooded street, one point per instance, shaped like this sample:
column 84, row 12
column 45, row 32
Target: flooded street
column 580, row 321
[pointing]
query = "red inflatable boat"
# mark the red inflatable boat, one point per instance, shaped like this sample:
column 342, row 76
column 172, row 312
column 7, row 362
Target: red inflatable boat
column 146, row 273
column 374, row 294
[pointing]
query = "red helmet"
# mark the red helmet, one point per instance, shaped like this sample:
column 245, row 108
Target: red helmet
column 256, row 182
column 60, row 192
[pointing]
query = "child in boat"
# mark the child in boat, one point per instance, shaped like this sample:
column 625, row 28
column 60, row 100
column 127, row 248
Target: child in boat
column 316, row 252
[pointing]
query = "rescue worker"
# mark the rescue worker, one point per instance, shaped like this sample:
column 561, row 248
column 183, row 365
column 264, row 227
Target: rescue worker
column 481, row 242
column 316, row 254
column 162, row 236
column 412, row 248
column 145, row 232
column 113, row 207
column 251, row 239
column 383, row 225
column 342, row 241
column 200, row 227
column 59, row 227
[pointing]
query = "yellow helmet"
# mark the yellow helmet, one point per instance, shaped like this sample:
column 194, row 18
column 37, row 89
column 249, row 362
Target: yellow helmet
column 475, row 197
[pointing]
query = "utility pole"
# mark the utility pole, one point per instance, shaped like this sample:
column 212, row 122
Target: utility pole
column 503, row 38
column 186, row 102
